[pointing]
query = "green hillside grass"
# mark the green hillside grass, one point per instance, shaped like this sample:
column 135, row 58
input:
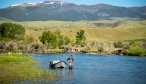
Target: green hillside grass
column 123, row 30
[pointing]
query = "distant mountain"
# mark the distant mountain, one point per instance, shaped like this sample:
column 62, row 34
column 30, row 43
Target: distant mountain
column 56, row 10
column 5, row 19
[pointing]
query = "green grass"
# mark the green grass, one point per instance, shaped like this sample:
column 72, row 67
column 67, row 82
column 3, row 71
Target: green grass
column 15, row 58
column 11, row 58
column 92, row 51
column 21, row 68
column 54, row 51
column 135, row 51
column 17, row 51
column 135, row 40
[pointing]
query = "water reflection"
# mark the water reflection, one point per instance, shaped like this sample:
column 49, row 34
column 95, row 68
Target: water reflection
column 70, row 74
column 65, row 73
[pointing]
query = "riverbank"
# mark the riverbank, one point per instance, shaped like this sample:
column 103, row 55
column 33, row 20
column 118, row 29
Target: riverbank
column 132, row 51
column 14, row 68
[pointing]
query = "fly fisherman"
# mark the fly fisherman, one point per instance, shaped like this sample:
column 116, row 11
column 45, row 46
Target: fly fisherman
column 70, row 60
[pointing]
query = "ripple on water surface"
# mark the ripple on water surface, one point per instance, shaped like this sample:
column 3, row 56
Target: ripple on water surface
column 93, row 69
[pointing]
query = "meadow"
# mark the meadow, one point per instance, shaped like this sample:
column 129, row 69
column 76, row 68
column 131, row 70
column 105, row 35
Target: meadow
column 102, row 30
column 21, row 68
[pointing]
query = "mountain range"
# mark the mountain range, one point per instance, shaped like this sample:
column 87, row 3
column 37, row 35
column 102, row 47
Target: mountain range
column 57, row 10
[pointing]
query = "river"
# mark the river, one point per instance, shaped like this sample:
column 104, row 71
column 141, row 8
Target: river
column 97, row 69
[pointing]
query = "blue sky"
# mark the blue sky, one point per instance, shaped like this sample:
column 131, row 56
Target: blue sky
column 126, row 3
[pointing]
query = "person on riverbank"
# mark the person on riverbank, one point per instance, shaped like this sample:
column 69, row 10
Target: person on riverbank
column 70, row 60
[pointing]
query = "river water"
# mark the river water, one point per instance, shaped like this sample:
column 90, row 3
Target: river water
column 97, row 69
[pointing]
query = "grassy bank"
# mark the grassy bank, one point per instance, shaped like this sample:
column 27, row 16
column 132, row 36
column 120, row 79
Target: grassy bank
column 14, row 68
column 54, row 51
column 92, row 51
column 135, row 40
column 135, row 51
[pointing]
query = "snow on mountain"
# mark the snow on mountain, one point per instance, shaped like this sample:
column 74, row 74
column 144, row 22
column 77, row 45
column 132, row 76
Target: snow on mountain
column 39, row 3
column 15, row 5
column 24, row 5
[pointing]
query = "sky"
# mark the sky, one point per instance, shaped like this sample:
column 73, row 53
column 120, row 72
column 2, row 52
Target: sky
column 125, row 3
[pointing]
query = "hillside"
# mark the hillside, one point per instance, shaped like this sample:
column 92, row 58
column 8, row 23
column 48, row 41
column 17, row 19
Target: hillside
column 103, row 30
column 63, row 11
column 5, row 19
column 94, row 30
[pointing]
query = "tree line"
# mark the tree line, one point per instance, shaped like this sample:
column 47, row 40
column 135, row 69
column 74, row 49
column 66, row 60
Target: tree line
column 13, row 37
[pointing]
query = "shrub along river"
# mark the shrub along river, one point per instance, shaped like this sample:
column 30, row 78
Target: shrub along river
column 95, row 69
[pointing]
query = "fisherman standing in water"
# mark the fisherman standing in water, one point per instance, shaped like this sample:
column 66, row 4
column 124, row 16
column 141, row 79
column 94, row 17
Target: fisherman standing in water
column 70, row 60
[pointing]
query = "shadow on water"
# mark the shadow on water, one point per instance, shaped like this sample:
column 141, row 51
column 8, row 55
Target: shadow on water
column 93, row 69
